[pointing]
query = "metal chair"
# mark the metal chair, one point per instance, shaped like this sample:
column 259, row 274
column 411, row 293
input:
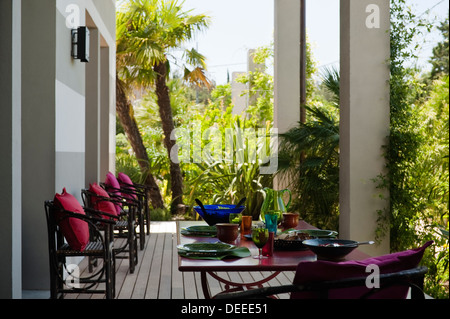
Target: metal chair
column 141, row 191
column 412, row 278
column 124, row 227
column 140, row 204
column 63, row 279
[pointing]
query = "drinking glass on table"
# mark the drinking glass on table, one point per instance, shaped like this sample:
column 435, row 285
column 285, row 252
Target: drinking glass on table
column 271, row 219
column 260, row 235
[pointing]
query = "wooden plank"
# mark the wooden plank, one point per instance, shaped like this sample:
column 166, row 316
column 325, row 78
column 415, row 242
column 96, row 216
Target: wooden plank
column 145, row 260
column 190, row 286
column 177, row 276
column 165, row 278
column 155, row 271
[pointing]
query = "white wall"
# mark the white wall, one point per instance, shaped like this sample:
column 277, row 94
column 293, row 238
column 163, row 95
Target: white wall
column 54, row 115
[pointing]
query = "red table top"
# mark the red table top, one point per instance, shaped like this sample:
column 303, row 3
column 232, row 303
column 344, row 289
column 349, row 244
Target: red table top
column 280, row 261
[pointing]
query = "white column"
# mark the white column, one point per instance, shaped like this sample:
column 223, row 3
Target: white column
column 240, row 102
column 10, row 161
column 106, row 127
column 287, row 64
column 364, row 118
column 286, row 113
column 38, row 136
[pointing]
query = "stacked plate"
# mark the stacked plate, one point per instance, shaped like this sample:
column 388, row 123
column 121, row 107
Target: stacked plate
column 200, row 231
column 217, row 250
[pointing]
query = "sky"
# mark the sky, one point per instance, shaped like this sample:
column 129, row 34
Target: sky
column 240, row 25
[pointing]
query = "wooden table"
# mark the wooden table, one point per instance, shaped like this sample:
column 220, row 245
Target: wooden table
column 280, row 261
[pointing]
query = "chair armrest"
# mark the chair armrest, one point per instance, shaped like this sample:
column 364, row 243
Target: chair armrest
column 87, row 217
column 100, row 213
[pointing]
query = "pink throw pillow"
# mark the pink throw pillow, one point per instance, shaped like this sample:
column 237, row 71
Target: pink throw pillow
column 102, row 205
column 113, row 186
column 125, row 180
column 76, row 231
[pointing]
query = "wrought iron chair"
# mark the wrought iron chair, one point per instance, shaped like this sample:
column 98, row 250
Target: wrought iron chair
column 412, row 278
column 63, row 279
column 141, row 191
column 128, row 196
column 124, row 227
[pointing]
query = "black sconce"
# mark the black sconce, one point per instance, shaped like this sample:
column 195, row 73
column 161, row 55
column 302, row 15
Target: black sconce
column 80, row 44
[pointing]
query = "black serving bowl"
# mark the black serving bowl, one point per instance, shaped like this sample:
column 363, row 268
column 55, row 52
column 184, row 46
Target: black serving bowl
column 330, row 249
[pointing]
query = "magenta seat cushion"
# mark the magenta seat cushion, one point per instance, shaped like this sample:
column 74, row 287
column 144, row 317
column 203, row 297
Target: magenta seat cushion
column 76, row 231
column 317, row 271
column 101, row 205
column 113, row 186
column 125, row 180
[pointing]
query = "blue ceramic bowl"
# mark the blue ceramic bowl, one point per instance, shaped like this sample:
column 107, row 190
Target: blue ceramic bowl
column 217, row 213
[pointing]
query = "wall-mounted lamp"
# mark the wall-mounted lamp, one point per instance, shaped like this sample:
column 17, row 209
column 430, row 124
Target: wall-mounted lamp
column 80, row 44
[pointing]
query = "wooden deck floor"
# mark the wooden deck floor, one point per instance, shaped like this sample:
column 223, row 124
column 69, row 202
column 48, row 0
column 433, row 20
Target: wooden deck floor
column 157, row 277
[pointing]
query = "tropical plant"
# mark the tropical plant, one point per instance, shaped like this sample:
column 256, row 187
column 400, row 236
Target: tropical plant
column 309, row 158
column 314, row 177
column 147, row 32
column 227, row 180
column 128, row 122
column 416, row 156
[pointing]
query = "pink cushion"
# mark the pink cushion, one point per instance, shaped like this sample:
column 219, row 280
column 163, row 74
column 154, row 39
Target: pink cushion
column 125, row 180
column 321, row 270
column 113, row 186
column 76, row 231
column 102, row 205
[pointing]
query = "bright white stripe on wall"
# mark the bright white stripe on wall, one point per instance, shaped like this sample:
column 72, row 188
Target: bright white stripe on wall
column 70, row 119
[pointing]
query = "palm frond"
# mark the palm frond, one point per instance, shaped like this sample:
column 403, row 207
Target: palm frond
column 331, row 80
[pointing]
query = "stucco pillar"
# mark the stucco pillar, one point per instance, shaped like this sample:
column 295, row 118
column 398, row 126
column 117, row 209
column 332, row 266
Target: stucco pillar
column 10, row 159
column 286, row 113
column 92, row 169
column 240, row 102
column 107, row 105
column 38, row 136
column 364, row 117
column 286, row 64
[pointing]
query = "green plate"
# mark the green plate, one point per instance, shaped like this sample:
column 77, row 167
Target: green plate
column 214, row 251
column 206, row 247
column 202, row 229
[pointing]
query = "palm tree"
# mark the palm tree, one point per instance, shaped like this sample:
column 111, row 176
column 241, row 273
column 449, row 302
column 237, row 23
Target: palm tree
column 147, row 33
column 316, row 177
column 125, row 112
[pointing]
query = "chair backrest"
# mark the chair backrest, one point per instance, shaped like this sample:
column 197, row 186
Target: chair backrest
column 55, row 237
column 322, row 271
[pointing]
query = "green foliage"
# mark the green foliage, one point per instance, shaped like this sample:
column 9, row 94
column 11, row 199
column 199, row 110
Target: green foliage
column 439, row 59
column 227, row 180
column 146, row 32
column 260, row 83
column 316, row 177
column 160, row 214
column 417, row 153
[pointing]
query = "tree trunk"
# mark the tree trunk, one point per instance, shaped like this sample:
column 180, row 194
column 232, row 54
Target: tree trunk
column 125, row 113
column 165, row 111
